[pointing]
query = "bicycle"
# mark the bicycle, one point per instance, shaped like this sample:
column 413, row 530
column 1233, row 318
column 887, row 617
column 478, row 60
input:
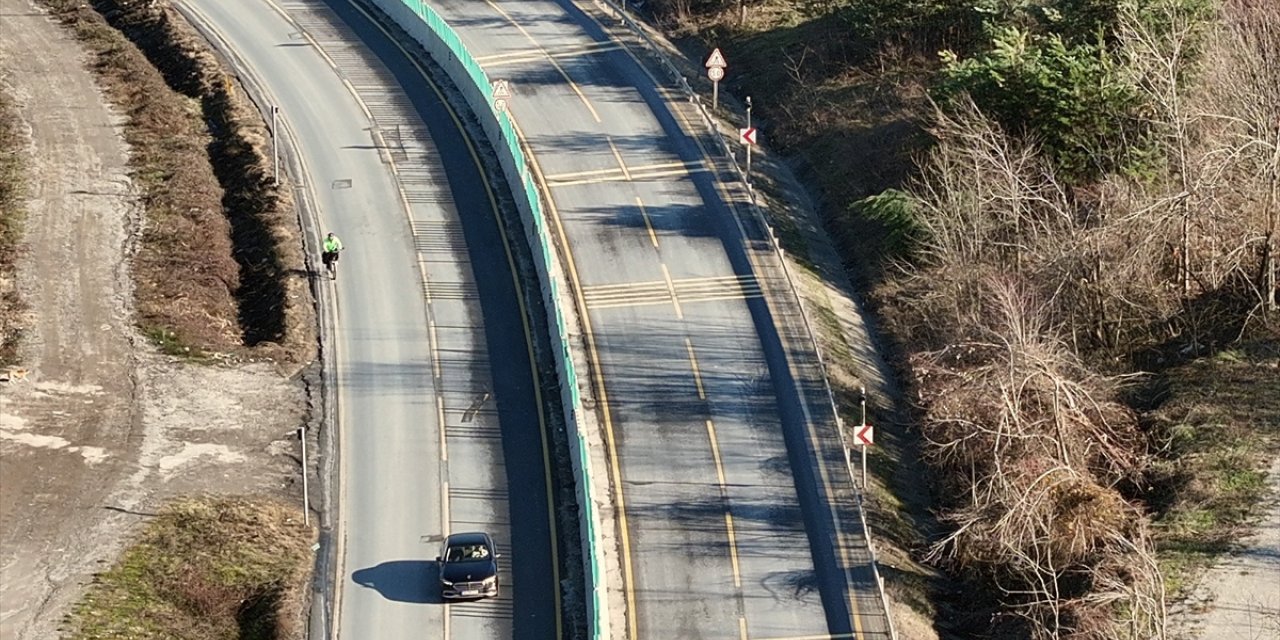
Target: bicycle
column 330, row 259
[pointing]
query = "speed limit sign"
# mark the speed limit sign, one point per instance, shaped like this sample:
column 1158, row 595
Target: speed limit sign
column 716, row 74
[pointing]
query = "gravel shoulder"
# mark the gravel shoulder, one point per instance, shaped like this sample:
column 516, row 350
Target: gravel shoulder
column 102, row 430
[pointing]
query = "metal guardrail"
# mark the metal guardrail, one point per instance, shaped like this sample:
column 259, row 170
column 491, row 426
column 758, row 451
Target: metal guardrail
column 714, row 128
column 444, row 46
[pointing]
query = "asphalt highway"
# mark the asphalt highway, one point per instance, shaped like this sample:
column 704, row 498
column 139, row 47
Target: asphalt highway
column 441, row 421
column 737, row 516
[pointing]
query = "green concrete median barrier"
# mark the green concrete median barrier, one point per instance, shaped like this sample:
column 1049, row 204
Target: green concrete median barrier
column 444, row 46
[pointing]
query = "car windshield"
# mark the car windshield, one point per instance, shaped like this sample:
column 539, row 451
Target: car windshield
column 466, row 553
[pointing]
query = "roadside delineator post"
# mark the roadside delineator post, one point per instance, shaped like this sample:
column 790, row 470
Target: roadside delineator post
column 306, row 495
column 275, row 145
column 748, row 138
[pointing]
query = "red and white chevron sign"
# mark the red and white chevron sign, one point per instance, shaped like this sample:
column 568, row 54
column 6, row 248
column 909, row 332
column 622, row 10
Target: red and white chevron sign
column 866, row 435
column 748, row 135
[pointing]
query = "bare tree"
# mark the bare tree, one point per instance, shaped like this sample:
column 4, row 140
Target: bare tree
column 1242, row 95
column 1157, row 41
column 1220, row 134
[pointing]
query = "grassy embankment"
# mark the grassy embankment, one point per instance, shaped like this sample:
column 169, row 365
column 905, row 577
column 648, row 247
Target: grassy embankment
column 204, row 569
column 1219, row 420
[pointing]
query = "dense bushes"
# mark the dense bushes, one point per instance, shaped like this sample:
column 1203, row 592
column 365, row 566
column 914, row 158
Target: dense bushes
column 1033, row 284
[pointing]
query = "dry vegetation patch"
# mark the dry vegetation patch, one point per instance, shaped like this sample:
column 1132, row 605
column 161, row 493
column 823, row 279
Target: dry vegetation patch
column 12, row 217
column 205, row 569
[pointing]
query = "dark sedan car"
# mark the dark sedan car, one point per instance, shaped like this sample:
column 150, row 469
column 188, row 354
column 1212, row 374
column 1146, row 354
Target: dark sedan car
column 468, row 566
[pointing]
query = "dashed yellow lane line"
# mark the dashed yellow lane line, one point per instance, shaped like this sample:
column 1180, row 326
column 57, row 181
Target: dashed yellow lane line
column 697, row 375
column 742, row 628
column 648, row 224
column 626, row 175
column 671, row 287
column 551, row 59
column 724, row 495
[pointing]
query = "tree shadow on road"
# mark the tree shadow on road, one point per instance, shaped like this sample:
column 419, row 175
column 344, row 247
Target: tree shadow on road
column 403, row 580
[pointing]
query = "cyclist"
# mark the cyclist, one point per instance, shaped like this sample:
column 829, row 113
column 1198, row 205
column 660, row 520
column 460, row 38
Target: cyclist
column 332, row 245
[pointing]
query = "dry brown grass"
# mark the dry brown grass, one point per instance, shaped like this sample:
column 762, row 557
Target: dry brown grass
column 12, row 217
column 205, row 569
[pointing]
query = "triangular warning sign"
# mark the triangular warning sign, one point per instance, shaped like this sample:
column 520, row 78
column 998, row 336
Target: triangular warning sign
column 501, row 89
column 716, row 60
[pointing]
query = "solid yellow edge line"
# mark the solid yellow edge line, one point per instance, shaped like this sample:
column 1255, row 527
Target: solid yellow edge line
column 615, row 475
column 524, row 313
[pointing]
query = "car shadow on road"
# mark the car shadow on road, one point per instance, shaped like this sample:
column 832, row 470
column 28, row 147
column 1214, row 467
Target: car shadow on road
column 416, row 581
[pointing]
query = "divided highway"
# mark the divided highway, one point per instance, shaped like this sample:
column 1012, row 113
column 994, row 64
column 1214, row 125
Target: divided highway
column 440, row 413
column 737, row 518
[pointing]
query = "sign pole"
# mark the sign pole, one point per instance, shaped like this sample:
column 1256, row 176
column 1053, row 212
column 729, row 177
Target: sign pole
column 862, row 401
column 749, row 146
column 715, row 72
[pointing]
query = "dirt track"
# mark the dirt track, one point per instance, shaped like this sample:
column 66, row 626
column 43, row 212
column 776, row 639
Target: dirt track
column 102, row 429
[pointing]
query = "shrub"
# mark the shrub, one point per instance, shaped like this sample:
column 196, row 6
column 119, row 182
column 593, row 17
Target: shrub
column 1069, row 97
